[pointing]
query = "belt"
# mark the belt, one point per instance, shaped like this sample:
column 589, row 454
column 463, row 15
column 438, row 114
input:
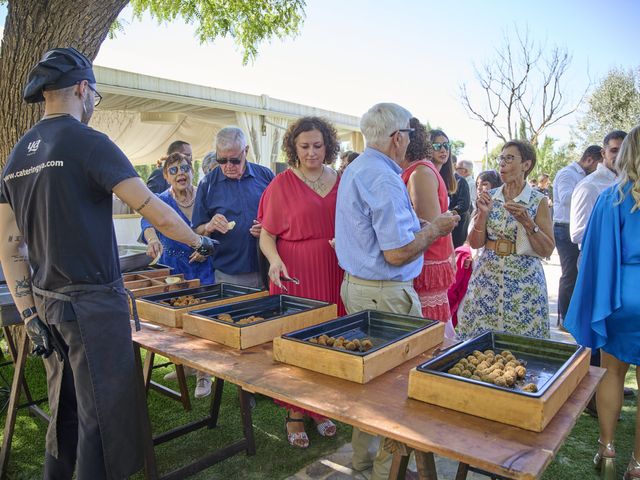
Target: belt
column 501, row 246
column 374, row 283
column 562, row 224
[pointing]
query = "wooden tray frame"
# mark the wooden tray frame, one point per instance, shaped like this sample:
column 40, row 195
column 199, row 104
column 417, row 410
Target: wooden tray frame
column 173, row 317
column 356, row 368
column 529, row 413
column 247, row 336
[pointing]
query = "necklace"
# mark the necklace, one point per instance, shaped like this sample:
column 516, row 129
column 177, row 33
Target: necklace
column 317, row 185
column 184, row 205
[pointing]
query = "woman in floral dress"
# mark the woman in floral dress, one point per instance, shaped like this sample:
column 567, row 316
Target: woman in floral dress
column 508, row 291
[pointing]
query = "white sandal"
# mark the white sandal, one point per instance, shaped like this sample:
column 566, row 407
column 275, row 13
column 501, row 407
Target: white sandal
column 296, row 439
column 327, row 428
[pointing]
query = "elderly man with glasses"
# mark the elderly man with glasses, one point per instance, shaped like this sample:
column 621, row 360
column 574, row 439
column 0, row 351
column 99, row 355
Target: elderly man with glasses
column 379, row 239
column 226, row 207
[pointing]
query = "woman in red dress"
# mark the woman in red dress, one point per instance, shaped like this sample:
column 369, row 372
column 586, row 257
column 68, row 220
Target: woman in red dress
column 428, row 194
column 297, row 212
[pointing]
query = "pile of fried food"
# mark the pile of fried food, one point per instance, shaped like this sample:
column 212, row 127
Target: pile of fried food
column 341, row 342
column 225, row 317
column 502, row 369
column 183, row 301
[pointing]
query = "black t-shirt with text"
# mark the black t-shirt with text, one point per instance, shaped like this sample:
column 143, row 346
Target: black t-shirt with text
column 58, row 181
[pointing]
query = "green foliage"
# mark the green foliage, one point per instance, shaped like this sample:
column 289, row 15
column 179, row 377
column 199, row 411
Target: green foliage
column 613, row 105
column 144, row 170
column 248, row 22
column 456, row 147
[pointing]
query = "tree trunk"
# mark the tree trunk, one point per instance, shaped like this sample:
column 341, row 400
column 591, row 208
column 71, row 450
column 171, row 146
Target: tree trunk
column 31, row 28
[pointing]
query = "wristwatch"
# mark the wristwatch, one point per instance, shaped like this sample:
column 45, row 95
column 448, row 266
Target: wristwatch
column 28, row 312
column 535, row 229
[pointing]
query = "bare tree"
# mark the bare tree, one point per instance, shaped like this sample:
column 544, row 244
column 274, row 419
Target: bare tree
column 523, row 89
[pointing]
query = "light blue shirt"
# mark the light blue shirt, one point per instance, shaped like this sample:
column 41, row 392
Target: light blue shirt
column 374, row 213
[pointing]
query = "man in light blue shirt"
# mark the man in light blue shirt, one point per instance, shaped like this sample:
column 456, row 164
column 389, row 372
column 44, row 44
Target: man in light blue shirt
column 379, row 239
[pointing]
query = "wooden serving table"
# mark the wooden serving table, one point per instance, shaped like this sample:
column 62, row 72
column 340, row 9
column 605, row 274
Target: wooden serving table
column 381, row 406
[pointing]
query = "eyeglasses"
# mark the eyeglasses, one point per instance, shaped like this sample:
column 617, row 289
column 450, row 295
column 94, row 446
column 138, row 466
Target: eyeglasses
column 184, row 168
column 506, row 159
column 97, row 98
column 440, row 146
column 234, row 161
column 408, row 130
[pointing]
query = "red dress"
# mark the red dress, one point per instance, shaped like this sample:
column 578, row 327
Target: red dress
column 437, row 273
column 304, row 222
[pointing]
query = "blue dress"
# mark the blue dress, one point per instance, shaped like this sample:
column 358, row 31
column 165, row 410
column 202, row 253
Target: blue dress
column 176, row 254
column 605, row 307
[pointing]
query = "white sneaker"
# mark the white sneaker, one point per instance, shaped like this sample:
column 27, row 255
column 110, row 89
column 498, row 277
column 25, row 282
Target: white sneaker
column 203, row 386
column 173, row 376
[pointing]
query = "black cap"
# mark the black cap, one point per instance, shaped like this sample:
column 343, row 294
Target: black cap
column 58, row 68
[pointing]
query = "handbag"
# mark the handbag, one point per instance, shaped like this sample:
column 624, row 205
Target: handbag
column 523, row 245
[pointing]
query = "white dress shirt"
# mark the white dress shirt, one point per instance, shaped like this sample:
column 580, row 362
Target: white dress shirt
column 563, row 186
column 584, row 199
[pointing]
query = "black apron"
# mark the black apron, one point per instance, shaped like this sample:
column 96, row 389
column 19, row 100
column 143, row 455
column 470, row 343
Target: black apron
column 102, row 316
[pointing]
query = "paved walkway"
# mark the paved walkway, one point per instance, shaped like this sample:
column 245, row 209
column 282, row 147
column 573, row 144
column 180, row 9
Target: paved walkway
column 337, row 466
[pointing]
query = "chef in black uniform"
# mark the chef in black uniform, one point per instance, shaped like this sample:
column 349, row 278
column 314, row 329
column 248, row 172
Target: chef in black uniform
column 55, row 202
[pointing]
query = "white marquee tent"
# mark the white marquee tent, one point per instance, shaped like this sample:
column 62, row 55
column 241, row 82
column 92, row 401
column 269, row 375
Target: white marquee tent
column 144, row 114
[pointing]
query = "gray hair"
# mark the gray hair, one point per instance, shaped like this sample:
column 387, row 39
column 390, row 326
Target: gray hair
column 209, row 162
column 230, row 137
column 466, row 164
column 381, row 121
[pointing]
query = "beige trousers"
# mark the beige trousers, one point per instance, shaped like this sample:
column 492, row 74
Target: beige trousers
column 396, row 297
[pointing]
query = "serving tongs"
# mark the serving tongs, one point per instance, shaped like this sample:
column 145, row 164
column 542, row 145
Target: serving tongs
column 293, row 280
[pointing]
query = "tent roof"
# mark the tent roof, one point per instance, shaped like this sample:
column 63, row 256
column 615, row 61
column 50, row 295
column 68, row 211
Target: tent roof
column 144, row 114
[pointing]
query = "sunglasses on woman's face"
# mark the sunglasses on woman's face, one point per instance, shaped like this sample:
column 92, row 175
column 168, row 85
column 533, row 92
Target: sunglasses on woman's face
column 438, row 146
column 184, row 168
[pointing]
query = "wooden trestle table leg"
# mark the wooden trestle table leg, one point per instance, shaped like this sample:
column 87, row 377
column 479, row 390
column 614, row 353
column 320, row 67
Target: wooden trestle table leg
column 424, row 461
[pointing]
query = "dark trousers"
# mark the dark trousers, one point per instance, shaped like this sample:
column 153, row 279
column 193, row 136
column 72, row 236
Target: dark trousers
column 77, row 427
column 568, row 252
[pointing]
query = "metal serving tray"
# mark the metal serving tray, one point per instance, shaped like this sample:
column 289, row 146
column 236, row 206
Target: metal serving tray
column 381, row 328
column 545, row 360
column 133, row 257
column 210, row 293
column 269, row 308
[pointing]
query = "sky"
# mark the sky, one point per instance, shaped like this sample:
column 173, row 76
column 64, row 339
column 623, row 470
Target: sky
column 352, row 54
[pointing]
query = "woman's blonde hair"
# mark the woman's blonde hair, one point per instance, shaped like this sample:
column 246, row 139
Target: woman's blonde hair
column 628, row 167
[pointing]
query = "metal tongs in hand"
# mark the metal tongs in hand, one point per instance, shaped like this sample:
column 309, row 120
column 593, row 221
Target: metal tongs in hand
column 293, row 280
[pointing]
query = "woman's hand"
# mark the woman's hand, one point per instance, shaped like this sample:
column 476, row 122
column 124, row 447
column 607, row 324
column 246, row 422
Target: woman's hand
column 519, row 212
column 218, row 223
column 196, row 257
column 277, row 269
column 154, row 248
column 484, row 203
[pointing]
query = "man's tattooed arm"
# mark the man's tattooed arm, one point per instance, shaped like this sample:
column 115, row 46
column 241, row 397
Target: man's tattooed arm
column 144, row 204
column 23, row 287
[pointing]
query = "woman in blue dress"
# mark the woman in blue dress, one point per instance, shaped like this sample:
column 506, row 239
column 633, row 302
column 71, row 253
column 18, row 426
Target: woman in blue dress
column 604, row 311
column 180, row 196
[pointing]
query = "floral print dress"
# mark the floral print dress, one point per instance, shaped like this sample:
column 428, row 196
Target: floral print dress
column 506, row 294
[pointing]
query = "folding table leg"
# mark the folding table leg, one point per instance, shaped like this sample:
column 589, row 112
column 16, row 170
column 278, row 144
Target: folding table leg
column 184, row 388
column 247, row 424
column 150, row 463
column 463, row 469
column 14, row 400
column 426, row 464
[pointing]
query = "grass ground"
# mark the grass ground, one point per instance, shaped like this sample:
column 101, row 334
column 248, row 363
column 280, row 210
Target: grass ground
column 275, row 459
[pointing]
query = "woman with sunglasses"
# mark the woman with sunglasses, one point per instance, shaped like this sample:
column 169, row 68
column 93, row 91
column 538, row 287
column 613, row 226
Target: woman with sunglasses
column 297, row 212
column 458, row 188
column 180, row 195
column 507, row 290
column 428, row 194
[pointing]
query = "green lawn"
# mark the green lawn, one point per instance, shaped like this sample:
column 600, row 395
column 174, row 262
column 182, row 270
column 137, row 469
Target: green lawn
column 275, row 459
